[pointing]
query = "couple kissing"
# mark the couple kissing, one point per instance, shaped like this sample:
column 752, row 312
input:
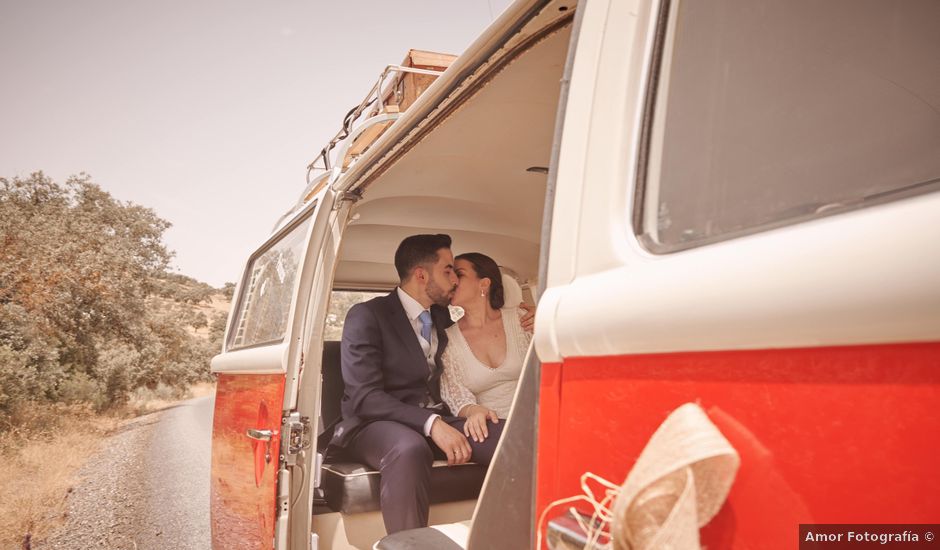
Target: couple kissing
column 419, row 386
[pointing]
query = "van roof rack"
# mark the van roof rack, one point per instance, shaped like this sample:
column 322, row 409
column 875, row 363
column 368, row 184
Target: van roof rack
column 396, row 89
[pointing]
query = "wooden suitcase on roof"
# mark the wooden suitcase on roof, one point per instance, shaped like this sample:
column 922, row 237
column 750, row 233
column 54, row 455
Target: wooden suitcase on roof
column 400, row 94
column 409, row 86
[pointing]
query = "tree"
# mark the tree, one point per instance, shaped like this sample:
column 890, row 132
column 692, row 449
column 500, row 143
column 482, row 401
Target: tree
column 228, row 290
column 199, row 320
column 76, row 269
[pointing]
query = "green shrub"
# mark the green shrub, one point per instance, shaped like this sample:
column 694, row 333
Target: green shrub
column 80, row 388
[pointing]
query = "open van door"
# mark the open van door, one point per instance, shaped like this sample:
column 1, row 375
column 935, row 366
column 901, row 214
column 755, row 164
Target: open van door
column 256, row 431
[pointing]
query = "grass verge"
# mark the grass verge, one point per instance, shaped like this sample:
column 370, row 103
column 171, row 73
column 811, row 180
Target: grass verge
column 42, row 453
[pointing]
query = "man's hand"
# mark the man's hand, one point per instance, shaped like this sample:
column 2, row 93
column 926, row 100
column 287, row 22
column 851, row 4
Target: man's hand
column 451, row 441
column 528, row 320
column 475, row 426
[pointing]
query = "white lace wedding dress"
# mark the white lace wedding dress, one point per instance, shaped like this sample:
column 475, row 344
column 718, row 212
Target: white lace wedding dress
column 467, row 381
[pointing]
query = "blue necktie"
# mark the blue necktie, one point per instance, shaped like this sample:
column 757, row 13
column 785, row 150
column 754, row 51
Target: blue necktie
column 425, row 319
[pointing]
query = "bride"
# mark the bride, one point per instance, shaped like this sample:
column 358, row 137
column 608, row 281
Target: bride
column 486, row 347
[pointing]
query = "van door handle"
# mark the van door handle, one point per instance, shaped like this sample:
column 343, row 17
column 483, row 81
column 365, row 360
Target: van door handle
column 260, row 435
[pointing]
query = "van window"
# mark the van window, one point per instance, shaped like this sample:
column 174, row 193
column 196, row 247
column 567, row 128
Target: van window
column 266, row 294
column 770, row 112
column 340, row 302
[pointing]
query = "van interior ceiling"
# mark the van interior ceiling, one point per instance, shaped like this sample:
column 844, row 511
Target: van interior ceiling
column 478, row 176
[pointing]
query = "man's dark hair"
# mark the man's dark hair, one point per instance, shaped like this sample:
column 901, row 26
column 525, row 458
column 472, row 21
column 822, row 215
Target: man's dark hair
column 418, row 250
column 486, row 268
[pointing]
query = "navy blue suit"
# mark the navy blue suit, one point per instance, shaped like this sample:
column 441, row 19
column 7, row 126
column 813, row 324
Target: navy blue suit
column 389, row 387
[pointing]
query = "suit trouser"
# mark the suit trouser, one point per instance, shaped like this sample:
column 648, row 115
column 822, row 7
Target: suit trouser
column 404, row 458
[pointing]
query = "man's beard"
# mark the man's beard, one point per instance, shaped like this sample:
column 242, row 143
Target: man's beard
column 437, row 294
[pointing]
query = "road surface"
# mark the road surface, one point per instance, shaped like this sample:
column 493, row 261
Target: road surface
column 148, row 488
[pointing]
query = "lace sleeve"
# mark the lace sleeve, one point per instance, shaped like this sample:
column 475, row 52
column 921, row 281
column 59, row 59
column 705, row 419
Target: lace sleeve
column 453, row 391
column 522, row 338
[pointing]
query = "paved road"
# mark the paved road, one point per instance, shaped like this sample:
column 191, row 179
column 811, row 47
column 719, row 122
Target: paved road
column 148, row 489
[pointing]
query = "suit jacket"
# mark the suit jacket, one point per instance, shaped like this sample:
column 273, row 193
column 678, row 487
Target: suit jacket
column 385, row 372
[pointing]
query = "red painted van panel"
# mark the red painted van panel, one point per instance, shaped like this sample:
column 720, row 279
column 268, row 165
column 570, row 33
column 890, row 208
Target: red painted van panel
column 244, row 472
column 826, row 435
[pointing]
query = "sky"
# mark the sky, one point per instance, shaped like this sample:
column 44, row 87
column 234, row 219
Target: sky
column 207, row 111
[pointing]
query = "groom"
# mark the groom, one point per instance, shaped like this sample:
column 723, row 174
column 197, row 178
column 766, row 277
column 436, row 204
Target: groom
column 393, row 416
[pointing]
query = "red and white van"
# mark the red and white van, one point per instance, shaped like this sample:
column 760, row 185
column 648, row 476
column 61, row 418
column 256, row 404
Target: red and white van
column 733, row 203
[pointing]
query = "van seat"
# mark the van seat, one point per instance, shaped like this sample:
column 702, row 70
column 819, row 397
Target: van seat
column 352, row 488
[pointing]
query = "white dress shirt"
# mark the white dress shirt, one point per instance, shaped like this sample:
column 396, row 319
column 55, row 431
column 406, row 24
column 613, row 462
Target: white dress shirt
column 412, row 310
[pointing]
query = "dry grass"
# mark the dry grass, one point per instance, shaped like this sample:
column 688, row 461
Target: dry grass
column 42, row 455
column 201, row 390
column 144, row 401
column 39, row 469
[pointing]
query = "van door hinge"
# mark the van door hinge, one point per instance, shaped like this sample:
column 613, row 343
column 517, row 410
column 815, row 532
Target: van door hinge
column 297, row 429
column 352, row 196
column 295, row 438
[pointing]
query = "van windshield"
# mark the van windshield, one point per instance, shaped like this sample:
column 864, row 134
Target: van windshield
column 268, row 288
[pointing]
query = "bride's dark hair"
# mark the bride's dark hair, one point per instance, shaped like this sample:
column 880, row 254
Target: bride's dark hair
column 486, row 268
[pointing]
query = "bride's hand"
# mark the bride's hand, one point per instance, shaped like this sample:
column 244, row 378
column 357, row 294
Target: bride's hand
column 475, row 427
column 527, row 320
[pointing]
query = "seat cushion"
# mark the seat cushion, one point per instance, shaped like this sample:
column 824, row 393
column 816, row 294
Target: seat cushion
column 452, row 536
column 353, row 488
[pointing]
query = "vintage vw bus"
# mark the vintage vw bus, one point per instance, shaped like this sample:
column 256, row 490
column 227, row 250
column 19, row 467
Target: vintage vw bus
column 733, row 204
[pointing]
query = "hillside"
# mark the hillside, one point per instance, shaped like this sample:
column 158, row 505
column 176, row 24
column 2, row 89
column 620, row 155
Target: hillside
column 200, row 308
